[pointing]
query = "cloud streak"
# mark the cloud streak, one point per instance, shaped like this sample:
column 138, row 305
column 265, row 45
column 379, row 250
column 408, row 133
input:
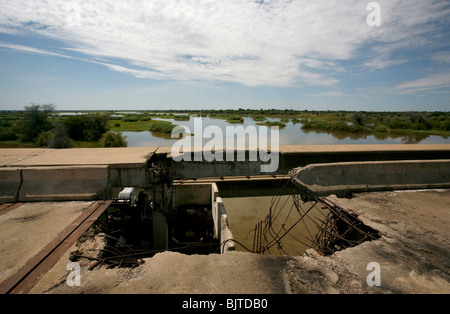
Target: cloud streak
column 255, row 43
column 432, row 82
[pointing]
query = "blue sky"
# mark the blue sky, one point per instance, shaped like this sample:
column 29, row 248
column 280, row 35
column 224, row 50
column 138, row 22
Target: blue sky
column 192, row 54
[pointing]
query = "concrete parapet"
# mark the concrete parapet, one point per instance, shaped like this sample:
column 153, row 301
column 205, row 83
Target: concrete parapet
column 347, row 177
column 10, row 182
column 63, row 183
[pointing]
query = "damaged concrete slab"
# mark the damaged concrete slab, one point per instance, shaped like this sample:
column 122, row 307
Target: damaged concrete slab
column 413, row 254
column 412, row 249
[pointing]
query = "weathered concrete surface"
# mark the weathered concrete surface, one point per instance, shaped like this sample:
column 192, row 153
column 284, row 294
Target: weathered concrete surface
column 63, row 183
column 10, row 183
column 33, row 157
column 70, row 174
column 175, row 273
column 27, row 229
column 350, row 177
column 301, row 155
column 413, row 253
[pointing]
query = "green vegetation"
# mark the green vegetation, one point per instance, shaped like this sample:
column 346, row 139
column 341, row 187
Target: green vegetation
column 41, row 126
column 259, row 118
column 86, row 127
column 127, row 126
column 182, row 118
column 437, row 123
column 162, row 127
column 60, row 137
column 35, row 121
column 235, row 119
column 272, row 123
column 113, row 139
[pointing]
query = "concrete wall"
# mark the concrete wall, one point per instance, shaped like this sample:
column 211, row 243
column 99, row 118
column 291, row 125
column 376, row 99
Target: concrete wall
column 79, row 174
column 295, row 156
column 207, row 193
column 63, row 183
column 344, row 178
column 192, row 194
column 10, row 183
column 68, row 182
column 225, row 235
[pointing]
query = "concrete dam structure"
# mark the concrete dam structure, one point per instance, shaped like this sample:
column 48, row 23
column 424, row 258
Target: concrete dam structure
column 139, row 209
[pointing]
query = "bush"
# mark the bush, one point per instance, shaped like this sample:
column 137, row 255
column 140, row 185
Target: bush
column 235, row 119
column 445, row 126
column 381, row 128
column 87, row 127
column 7, row 134
column 162, row 127
column 131, row 119
column 60, row 138
column 35, row 121
column 182, row 117
column 43, row 138
column 259, row 118
column 113, row 139
column 273, row 123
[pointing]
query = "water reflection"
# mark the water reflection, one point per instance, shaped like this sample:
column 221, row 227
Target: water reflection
column 410, row 138
column 291, row 134
column 245, row 212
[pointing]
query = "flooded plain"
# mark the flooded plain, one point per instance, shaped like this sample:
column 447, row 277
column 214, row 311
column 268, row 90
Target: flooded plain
column 291, row 134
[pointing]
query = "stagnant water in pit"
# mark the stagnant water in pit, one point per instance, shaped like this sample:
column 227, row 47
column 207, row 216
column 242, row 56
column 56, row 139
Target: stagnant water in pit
column 245, row 212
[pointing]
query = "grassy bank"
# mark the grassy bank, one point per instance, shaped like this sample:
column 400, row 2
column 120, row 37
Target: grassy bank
column 141, row 126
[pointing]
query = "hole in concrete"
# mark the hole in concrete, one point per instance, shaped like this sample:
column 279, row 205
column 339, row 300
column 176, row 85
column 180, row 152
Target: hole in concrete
column 340, row 230
column 131, row 228
column 291, row 226
column 192, row 230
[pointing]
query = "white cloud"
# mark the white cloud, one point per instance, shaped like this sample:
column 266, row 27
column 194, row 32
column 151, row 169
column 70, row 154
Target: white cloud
column 278, row 42
column 431, row 82
column 30, row 49
column 329, row 94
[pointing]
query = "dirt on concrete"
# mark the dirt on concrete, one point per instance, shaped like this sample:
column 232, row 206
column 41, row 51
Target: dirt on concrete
column 27, row 229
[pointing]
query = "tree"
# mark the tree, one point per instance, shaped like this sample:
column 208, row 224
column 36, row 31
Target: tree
column 87, row 127
column 60, row 138
column 113, row 139
column 357, row 119
column 35, row 121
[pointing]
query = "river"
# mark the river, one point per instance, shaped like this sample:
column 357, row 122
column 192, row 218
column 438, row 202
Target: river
column 292, row 134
